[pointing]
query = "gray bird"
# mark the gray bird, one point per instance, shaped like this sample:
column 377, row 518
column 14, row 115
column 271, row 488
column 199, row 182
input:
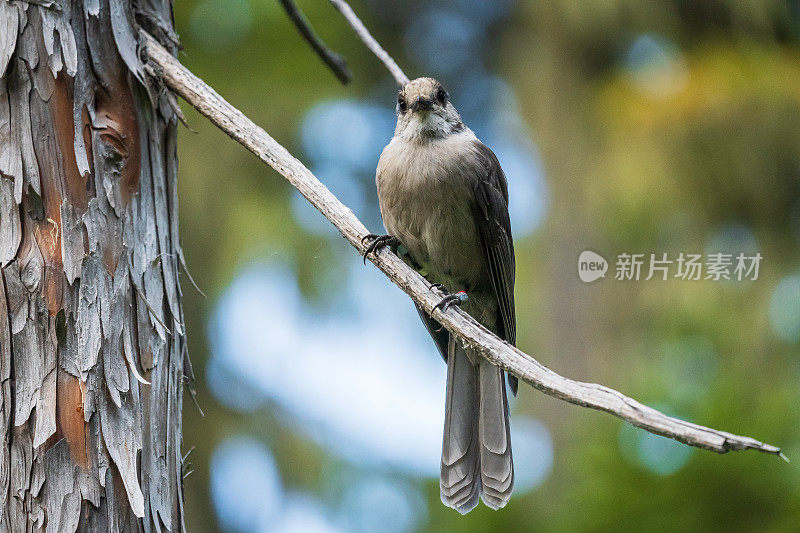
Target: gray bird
column 444, row 199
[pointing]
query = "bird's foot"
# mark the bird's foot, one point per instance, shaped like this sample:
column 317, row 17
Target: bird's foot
column 437, row 286
column 457, row 298
column 376, row 242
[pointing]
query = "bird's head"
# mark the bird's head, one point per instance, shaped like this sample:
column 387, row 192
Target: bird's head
column 424, row 111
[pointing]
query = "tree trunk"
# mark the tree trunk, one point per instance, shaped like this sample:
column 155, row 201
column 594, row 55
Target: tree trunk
column 92, row 347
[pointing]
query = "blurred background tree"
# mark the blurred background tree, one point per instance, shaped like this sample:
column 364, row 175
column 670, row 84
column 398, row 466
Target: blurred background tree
column 626, row 126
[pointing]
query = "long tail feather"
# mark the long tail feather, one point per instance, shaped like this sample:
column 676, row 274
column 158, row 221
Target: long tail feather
column 476, row 448
column 460, row 472
column 497, row 466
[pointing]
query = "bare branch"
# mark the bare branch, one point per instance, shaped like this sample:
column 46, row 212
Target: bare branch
column 362, row 31
column 240, row 128
column 334, row 61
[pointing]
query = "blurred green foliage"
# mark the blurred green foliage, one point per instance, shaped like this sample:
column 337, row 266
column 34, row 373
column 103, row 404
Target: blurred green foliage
column 631, row 169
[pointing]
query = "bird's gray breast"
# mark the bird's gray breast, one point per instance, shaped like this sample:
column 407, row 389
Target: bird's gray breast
column 426, row 194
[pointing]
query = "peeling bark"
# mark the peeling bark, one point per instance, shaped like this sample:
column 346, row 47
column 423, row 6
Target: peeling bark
column 92, row 347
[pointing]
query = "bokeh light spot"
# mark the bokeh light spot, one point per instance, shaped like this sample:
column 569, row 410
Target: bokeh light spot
column 527, row 190
column 733, row 238
column 347, row 134
column 784, row 309
column 656, row 66
column 302, row 513
column 532, row 446
column 245, row 486
column 657, row 454
column 380, row 504
column 230, row 390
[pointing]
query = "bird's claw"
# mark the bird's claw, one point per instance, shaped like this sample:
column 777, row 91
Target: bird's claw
column 437, row 286
column 369, row 237
column 376, row 242
column 456, row 298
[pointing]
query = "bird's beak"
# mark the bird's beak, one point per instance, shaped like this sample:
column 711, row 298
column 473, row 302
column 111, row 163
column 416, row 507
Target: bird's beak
column 422, row 104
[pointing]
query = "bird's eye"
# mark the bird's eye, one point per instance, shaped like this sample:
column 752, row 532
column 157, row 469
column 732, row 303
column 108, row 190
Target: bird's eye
column 441, row 95
column 401, row 103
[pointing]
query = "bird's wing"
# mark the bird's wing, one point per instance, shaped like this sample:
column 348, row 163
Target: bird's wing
column 494, row 229
column 440, row 335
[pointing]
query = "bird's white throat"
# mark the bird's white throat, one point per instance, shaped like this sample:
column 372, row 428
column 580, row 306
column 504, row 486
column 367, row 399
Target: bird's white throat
column 422, row 125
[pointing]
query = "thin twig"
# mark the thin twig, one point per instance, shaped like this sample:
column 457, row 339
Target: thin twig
column 334, row 61
column 240, row 128
column 362, row 31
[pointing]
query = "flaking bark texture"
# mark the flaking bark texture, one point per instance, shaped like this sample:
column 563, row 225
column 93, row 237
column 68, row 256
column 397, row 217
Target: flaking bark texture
column 92, row 348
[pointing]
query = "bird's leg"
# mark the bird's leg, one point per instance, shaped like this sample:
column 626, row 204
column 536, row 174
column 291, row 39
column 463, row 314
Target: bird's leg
column 376, row 242
column 456, row 298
